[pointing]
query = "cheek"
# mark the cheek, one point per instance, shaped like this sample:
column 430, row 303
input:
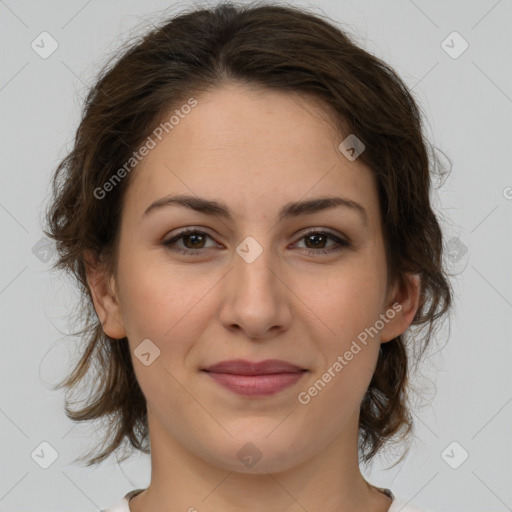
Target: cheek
column 349, row 385
column 161, row 310
column 168, row 306
column 334, row 393
column 349, row 300
column 155, row 295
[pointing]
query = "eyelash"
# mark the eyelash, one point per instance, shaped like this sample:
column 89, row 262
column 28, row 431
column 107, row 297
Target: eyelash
column 342, row 244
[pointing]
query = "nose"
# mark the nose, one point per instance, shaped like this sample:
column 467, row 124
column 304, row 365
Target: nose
column 255, row 296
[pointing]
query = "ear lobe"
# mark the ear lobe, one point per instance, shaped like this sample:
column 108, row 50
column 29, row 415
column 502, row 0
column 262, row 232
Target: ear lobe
column 403, row 307
column 105, row 300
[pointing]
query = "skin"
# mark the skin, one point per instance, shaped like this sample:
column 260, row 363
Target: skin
column 253, row 150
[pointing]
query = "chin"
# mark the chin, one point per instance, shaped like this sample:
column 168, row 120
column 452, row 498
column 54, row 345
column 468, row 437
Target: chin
column 258, row 454
column 263, row 461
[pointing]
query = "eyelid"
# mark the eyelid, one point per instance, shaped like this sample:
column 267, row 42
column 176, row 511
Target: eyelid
column 298, row 235
column 186, row 231
column 340, row 240
column 326, row 231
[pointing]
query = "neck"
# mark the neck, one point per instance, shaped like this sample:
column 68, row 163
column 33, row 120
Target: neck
column 329, row 480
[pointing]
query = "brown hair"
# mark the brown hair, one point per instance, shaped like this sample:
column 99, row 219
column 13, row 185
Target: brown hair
column 281, row 48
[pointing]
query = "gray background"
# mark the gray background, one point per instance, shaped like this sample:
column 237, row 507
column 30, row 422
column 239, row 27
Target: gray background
column 468, row 104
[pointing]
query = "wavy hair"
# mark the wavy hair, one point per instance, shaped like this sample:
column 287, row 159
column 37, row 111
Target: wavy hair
column 280, row 48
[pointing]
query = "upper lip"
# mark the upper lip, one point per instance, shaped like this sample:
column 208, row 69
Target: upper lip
column 243, row 367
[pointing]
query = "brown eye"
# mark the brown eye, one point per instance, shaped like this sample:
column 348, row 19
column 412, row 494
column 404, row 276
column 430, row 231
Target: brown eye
column 196, row 240
column 316, row 241
column 193, row 241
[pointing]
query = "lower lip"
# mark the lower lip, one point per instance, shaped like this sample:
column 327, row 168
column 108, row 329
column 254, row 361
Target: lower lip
column 256, row 385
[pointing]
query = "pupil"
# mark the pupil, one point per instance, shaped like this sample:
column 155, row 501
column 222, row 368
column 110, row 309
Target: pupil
column 193, row 236
column 315, row 237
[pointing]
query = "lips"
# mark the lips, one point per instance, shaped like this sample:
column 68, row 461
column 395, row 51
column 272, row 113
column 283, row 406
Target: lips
column 252, row 379
column 243, row 367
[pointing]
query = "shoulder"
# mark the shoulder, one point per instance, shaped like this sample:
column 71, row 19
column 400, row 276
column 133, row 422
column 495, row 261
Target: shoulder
column 401, row 505
column 398, row 505
column 122, row 504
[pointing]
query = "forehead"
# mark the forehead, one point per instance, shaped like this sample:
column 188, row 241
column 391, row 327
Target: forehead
column 244, row 145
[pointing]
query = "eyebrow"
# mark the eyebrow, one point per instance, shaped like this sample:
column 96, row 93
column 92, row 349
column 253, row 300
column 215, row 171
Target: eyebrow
column 293, row 209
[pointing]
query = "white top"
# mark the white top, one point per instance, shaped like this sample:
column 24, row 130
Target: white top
column 398, row 505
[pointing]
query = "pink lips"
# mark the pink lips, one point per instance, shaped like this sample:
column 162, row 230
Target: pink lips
column 255, row 379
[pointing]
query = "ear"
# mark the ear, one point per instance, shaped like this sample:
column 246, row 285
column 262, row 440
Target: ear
column 103, row 291
column 401, row 308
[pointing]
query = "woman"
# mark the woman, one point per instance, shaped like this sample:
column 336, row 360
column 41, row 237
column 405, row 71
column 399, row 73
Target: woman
column 246, row 207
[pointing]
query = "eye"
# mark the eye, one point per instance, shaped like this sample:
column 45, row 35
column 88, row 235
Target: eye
column 318, row 238
column 194, row 240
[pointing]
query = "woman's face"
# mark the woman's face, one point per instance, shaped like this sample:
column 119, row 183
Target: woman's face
column 256, row 285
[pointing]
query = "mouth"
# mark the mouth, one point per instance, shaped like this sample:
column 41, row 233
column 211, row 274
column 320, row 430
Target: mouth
column 255, row 378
